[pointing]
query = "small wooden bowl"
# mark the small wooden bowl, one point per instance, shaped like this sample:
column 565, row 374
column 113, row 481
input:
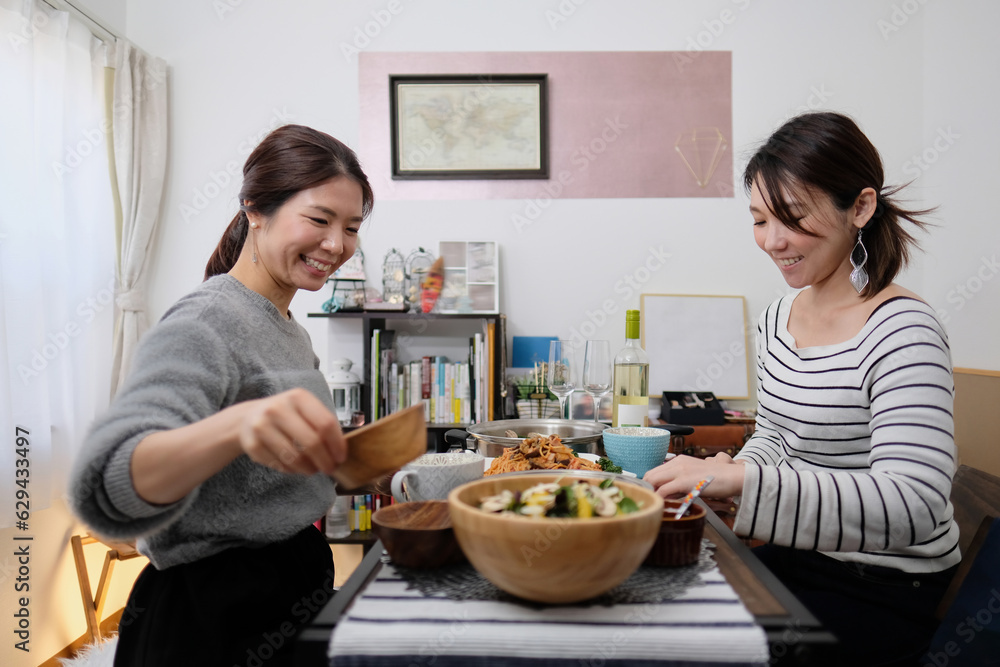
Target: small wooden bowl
column 382, row 447
column 549, row 560
column 418, row 534
column 679, row 540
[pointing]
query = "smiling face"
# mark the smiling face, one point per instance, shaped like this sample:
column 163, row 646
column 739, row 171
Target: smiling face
column 305, row 241
column 805, row 260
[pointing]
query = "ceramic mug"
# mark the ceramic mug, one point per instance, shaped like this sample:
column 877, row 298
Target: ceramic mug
column 433, row 476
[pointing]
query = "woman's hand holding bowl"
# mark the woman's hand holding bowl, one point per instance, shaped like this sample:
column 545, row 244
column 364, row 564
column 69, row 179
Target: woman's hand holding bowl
column 293, row 432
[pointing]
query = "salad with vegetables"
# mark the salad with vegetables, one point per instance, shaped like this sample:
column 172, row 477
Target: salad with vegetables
column 578, row 499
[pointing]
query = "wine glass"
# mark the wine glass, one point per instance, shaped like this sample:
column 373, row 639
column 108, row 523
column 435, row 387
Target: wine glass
column 597, row 372
column 561, row 371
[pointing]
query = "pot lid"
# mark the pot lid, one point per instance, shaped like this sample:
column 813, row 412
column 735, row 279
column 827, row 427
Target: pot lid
column 570, row 431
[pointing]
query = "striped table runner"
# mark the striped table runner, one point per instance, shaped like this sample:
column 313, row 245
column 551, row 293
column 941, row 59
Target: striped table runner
column 390, row 624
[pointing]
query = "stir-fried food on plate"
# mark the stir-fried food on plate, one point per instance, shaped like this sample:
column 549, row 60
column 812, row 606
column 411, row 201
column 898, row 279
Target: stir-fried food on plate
column 540, row 452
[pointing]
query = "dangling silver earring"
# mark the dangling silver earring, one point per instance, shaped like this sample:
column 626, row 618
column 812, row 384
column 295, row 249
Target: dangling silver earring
column 253, row 257
column 859, row 256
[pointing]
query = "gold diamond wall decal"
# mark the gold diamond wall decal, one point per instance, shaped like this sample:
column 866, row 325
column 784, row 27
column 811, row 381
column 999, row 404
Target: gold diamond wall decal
column 701, row 149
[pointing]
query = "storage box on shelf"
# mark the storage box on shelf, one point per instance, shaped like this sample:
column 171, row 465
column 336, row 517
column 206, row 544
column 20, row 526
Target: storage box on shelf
column 421, row 328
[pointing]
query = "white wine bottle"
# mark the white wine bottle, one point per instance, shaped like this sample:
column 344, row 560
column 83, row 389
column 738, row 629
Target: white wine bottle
column 630, row 406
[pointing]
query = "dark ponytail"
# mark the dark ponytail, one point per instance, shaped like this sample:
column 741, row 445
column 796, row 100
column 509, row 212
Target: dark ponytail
column 290, row 159
column 230, row 245
column 827, row 152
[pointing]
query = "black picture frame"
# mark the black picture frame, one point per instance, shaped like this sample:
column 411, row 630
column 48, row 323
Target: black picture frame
column 469, row 126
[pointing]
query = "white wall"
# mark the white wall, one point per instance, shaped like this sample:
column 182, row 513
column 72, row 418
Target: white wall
column 960, row 171
column 235, row 74
column 109, row 13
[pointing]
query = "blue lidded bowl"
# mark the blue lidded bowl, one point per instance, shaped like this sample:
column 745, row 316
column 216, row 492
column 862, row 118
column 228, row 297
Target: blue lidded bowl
column 636, row 448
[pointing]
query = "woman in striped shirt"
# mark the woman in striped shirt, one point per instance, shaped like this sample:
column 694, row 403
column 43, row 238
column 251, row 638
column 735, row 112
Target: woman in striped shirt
column 848, row 474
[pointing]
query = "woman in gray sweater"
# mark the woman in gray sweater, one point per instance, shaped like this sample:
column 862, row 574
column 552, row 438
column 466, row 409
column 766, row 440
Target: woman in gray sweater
column 216, row 452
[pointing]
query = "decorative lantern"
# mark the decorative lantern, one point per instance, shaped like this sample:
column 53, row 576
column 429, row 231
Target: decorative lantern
column 392, row 277
column 346, row 389
column 417, row 265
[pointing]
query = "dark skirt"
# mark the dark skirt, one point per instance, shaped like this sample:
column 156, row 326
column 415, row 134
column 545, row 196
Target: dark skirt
column 879, row 615
column 242, row 606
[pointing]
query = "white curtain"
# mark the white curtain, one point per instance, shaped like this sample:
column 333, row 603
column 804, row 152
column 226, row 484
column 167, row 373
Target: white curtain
column 140, row 145
column 57, row 266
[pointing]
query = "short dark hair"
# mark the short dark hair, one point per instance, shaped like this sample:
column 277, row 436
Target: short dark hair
column 290, row 159
column 827, row 152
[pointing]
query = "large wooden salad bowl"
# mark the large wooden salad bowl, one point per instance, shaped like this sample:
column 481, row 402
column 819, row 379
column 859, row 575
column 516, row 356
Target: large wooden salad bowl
column 553, row 560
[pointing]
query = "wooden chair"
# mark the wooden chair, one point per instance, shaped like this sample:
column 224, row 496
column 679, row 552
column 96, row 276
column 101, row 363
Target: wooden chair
column 93, row 602
column 975, row 496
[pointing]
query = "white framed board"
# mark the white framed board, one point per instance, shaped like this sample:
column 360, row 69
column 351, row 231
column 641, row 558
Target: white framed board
column 696, row 343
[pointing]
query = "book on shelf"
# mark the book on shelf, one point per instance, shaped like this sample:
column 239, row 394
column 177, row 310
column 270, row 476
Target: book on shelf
column 382, row 359
column 362, row 507
column 490, row 343
column 451, row 390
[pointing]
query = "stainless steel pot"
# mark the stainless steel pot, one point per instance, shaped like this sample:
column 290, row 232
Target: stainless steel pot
column 490, row 439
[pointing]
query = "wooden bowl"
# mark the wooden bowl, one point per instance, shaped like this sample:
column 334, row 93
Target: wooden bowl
column 382, row 447
column 418, row 534
column 553, row 560
column 679, row 540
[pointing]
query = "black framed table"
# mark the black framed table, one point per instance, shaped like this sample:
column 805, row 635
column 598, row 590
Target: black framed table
column 793, row 635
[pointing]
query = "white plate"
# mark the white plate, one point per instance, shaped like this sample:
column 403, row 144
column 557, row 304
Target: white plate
column 590, row 457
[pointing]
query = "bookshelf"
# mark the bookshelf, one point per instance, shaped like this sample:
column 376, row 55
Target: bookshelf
column 421, row 330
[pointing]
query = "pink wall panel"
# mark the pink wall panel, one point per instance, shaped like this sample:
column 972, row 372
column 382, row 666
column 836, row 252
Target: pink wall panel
column 614, row 120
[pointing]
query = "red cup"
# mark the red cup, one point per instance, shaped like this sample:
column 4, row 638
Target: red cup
column 679, row 540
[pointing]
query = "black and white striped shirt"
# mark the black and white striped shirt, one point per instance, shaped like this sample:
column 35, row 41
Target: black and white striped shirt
column 854, row 446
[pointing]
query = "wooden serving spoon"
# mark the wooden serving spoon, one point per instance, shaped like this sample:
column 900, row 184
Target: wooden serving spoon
column 382, row 447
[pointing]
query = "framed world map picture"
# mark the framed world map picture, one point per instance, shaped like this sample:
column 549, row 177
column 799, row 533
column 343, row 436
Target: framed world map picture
column 469, row 126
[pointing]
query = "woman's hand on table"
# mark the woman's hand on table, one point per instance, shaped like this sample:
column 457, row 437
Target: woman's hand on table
column 679, row 475
column 293, row 432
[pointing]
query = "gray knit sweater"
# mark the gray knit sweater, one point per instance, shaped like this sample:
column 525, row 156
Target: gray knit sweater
column 219, row 345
